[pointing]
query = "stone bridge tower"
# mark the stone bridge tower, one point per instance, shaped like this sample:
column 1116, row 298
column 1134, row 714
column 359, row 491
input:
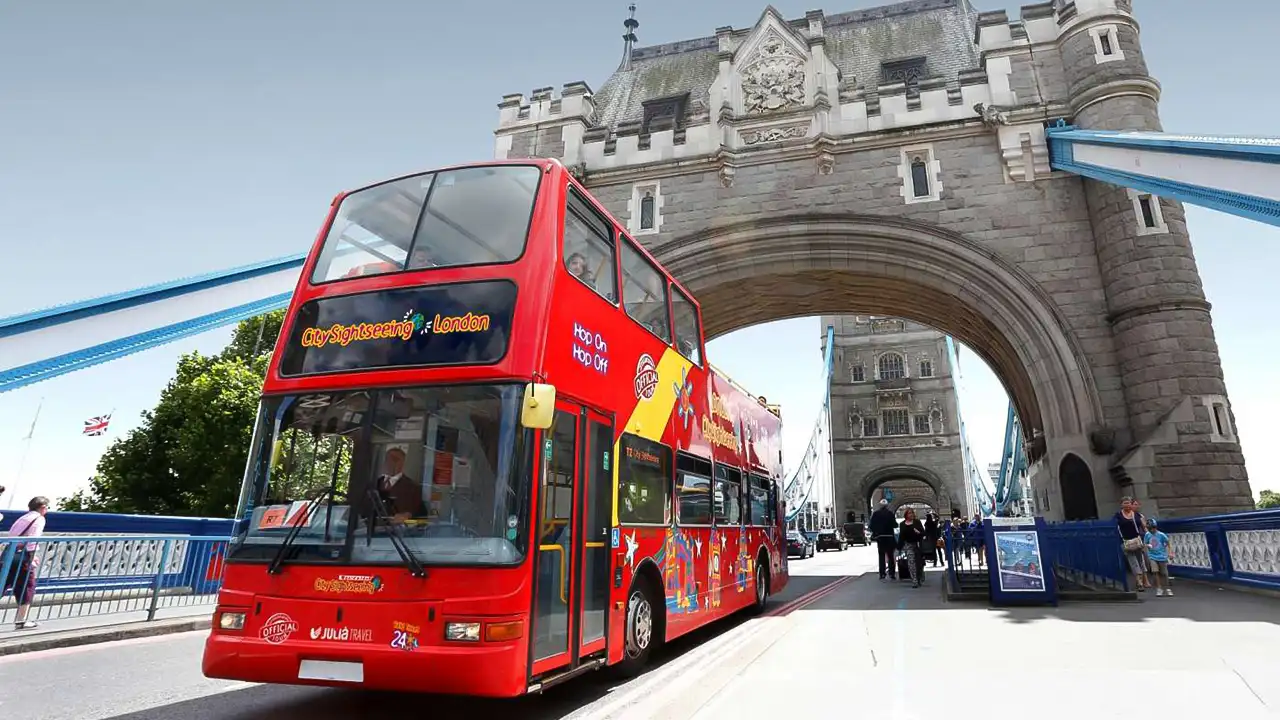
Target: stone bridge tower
column 892, row 161
column 895, row 423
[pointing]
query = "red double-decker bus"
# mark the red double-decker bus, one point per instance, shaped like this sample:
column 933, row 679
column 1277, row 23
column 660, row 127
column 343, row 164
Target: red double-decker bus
column 491, row 454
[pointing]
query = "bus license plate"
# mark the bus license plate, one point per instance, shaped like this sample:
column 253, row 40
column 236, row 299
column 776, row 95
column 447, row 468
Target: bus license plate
column 352, row 672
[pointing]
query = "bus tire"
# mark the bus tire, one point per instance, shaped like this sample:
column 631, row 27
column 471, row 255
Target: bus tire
column 641, row 628
column 762, row 585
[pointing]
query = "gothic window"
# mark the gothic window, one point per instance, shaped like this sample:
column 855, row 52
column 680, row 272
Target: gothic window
column 1221, row 420
column 920, row 174
column 922, row 425
column 926, row 368
column 891, row 367
column 1147, row 215
column 897, row 422
column 919, row 177
column 910, row 71
column 870, row 427
column 857, row 373
column 646, row 210
column 1106, row 44
column 664, row 112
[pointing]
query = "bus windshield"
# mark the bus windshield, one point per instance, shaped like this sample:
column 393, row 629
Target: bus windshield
column 468, row 216
column 441, row 468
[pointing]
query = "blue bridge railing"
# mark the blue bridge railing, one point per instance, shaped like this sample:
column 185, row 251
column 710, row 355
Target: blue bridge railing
column 1088, row 553
column 1238, row 549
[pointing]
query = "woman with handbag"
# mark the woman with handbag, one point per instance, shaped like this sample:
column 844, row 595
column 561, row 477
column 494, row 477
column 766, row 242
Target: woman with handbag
column 1132, row 529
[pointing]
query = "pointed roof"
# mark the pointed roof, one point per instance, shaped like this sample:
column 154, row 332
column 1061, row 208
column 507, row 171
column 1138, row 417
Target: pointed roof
column 858, row 42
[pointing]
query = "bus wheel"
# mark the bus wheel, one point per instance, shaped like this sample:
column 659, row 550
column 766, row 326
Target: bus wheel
column 762, row 588
column 640, row 627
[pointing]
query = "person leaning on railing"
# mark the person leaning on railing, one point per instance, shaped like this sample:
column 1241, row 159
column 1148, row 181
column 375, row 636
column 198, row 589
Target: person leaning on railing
column 25, row 563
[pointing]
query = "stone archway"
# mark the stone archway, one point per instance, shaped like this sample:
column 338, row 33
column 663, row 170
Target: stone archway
column 808, row 264
column 935, row 490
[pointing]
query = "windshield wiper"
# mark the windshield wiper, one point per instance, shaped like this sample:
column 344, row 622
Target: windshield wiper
column 278, row 561
column 393, row 533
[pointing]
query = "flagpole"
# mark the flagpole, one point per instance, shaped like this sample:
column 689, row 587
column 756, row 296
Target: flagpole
column 26, row 448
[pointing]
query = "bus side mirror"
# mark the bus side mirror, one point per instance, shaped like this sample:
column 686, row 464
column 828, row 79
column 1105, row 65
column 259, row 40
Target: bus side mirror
column 539, row 406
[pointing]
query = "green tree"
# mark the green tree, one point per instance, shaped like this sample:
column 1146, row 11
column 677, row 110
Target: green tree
column 1268, row 500
column 255, row 333
column 188, row 454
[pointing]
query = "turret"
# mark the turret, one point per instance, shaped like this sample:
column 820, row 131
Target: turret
column 1180, row 448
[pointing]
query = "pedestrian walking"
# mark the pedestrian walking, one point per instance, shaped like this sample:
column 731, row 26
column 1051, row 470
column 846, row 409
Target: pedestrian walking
column 882, row 526
column 21, row 580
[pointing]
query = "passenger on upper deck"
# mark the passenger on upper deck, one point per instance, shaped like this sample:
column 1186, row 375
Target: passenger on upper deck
column 421, row 258
column 577, row 265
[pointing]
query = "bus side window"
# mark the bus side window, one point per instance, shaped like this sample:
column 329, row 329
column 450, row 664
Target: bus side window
column 644, row 481
column 588, row 246
column 644, row 292
column 688, row 334
column 728, row 501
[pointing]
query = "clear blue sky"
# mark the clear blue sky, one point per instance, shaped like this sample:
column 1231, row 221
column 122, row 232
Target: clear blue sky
column 149, row 140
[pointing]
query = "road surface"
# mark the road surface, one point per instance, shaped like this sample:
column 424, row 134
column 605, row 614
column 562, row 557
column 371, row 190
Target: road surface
column 159, row 679
column 862, row 648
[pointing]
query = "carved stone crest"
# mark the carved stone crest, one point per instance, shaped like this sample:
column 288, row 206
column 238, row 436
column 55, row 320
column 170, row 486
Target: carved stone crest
column 774, row 79
column 726, row 175
column 774, row 134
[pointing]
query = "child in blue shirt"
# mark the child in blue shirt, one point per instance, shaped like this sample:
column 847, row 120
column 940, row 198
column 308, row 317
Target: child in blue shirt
column 1158, row 550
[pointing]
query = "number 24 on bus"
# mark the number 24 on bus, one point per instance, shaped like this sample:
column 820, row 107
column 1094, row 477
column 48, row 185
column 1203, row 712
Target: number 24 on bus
column 491, row 454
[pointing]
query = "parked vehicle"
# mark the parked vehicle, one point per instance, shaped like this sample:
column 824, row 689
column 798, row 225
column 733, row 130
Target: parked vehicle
column 799, row 545
column 831, row 540
column 856, row 533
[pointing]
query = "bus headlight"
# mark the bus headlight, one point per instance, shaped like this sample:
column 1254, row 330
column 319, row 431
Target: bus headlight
column 462, row 631
column 231, row 621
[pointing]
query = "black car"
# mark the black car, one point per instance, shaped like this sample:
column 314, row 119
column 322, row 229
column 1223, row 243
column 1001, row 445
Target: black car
column 855, row 533
column 799, row 545
column 830, row 540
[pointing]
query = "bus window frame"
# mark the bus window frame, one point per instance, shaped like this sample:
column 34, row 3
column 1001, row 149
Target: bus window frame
column 711, row 488
column 623, row 238
column 732, row 468
column 318, row 251
column 764, row 485
column 672, row 291
column 572, row 193
column 670, row 483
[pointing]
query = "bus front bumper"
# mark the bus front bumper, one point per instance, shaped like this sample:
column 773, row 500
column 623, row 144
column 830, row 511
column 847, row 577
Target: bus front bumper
column 481, row 669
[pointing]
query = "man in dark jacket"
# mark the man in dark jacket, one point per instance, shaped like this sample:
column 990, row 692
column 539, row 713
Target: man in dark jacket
column 882, row 526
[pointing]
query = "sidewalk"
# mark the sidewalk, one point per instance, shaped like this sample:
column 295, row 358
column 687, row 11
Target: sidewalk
column 887, row 650
column 89, row 629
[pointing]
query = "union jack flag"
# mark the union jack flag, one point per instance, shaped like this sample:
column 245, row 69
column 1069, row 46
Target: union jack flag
column 97, row 425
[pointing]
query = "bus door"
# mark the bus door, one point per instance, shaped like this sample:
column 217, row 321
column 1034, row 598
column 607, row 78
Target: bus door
column 571, row 573
column 596, row 500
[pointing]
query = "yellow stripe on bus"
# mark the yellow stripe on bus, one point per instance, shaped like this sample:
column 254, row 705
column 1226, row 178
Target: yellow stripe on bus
column 650, row 417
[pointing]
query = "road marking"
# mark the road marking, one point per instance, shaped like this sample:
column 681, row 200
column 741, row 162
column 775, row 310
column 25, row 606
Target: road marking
column 808, row 598
column 59, row 652
column 676, row 674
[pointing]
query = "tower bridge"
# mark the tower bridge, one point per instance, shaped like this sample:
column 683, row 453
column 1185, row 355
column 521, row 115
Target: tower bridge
column 1005, row 182
column 803, row 167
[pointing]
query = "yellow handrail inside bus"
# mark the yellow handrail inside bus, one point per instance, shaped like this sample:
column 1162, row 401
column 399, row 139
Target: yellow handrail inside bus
column 563, row 577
